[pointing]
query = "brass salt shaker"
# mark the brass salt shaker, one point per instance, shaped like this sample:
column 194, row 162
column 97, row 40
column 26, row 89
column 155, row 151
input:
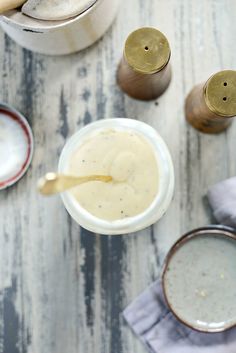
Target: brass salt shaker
column 210, row 107
column 144, row 72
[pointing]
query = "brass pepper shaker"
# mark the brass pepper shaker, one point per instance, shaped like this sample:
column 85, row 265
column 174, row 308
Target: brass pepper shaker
column 210, row 107
column 144, row 71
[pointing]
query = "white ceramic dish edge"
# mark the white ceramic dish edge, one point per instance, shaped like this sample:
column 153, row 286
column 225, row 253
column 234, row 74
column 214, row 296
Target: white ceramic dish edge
column 64, row 37
column 29, row 130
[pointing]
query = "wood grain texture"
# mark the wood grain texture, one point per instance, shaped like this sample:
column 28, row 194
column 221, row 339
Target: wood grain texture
column 63, row 289
column 143, row 86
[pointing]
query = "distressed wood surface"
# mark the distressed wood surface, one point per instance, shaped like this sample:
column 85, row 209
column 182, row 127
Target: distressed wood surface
column 61, row 288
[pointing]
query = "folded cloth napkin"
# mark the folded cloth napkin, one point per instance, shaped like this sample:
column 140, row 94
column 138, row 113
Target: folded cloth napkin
column 222, row 198
column 161, row 332
column 157, row 327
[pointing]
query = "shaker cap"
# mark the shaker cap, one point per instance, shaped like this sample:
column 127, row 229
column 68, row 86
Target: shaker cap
column 147, row 50
column 220, row 93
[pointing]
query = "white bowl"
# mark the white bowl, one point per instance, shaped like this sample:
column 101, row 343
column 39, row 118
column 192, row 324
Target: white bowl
column 60, row 37
column 17, row 144
column 166, row 183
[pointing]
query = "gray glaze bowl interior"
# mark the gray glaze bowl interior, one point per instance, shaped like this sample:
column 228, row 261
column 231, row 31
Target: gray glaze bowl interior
column 199, row 279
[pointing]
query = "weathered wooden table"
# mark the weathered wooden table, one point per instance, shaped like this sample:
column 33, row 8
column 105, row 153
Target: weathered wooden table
column 61, row 288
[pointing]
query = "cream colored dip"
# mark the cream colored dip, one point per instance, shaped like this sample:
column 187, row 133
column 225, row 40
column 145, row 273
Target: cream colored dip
column 130, row 160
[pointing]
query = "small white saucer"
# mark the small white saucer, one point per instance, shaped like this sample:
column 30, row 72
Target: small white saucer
column 16, row 146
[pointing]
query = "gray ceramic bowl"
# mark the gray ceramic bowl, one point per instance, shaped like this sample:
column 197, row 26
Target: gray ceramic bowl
column 179, row 286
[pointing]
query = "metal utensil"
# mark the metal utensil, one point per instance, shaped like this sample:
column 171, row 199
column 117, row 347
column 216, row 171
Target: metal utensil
column 53, row 183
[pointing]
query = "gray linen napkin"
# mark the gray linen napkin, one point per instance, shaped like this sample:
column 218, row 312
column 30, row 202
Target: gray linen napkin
column 222, row 198
column 161, row 332
column 152, row 321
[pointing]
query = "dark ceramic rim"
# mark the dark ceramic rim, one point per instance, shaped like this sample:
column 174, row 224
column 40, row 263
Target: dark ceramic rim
column 21, row 120
column 213, row 230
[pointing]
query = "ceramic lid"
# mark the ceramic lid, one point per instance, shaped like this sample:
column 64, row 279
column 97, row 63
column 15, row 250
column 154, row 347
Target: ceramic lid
column 16, row 146
column 55, row 9
column 19, row 19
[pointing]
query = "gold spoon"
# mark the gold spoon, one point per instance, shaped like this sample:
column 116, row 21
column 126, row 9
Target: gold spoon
column 53, row 183
column 6, row 5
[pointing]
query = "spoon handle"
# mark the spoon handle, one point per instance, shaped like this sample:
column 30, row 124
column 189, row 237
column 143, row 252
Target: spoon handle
column 6, row 5
column 53, row 183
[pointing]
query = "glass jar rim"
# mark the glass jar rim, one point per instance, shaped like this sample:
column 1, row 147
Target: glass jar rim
column 165, row 166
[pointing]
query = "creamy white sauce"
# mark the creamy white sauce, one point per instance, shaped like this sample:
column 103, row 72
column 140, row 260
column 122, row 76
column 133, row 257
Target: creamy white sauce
column 13, row 147
column 201, row 282
column 130, row 160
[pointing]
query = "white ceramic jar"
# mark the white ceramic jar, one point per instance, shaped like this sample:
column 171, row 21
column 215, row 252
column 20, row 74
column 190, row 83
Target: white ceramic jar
column 60, row 37
column 166, row 179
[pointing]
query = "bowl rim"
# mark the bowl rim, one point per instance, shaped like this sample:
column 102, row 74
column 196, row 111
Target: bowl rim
column 58, row 24
column 20, row 117
column 166, row 186
column 219, row 230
